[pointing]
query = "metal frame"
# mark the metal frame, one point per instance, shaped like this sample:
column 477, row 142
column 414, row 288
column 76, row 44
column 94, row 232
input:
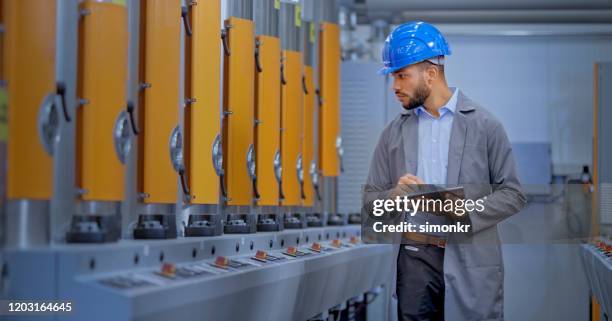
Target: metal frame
column 297, row 288
column 63, row 204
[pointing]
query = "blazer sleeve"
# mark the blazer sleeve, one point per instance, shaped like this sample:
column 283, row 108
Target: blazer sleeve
column 378, row 186
column 507, row 197
column 379, row 176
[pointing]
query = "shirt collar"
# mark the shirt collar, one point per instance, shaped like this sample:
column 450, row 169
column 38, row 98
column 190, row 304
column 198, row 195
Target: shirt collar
column 451, row 104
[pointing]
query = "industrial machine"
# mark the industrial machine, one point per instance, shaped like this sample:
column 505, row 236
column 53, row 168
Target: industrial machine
column 239, row 116
column 267, row 178
column 103, row 128
column 596, row 254
column 177, row 159
column 291, row 113
column 202, row 119
column 160, row 148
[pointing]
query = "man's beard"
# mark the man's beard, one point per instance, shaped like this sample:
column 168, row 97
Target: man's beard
column 420, row 95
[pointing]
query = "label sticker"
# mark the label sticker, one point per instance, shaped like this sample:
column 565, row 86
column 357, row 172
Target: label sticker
column 312, row 33
column 298, row 15
column 276, row 4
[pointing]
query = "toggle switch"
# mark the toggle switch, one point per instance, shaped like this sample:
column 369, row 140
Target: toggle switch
column 168, row 270
column 315, row 247
column 221, row 262
column 261, row 256
column 336, row 243
column 294, row 252
column 291, row 251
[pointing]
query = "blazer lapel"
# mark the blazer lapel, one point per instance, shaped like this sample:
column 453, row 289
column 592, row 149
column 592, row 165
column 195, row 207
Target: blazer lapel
column 457, row 139
column 410, row 138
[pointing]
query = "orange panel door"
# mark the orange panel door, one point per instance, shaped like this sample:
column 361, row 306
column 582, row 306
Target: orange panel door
column 160, row 112
column 29, row 61
column 329, row 82
column 203, row 119
column 102, row 83
column 268, row 114
column 308, row 135
column 291, row 123
column 239, row 110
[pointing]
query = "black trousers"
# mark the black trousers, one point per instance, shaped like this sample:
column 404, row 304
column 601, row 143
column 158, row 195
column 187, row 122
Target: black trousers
column 420, row 283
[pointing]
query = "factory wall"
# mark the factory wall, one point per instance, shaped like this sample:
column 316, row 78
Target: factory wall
column 541, row 87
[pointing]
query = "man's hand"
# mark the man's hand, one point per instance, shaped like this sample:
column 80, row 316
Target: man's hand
column 406, row 184
column 409, row 179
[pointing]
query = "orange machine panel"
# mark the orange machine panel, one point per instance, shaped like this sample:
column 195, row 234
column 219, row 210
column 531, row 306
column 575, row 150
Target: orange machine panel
column 268, row 114
column 102, row 82
column 1, row 40
column 308, row 135
column 3, row 106
column 329, row 82
column 204, row 121
column 29, row 61
column 160, row 112
column 239, row 110
column 291, row 123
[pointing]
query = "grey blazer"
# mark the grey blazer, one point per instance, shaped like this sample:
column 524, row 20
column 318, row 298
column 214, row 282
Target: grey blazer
column 480, row 158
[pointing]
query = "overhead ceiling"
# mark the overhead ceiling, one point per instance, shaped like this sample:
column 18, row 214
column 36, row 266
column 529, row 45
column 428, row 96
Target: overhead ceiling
column 479, row 11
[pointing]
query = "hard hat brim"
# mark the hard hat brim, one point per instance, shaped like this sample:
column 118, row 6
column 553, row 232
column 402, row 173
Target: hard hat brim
column 388, row 70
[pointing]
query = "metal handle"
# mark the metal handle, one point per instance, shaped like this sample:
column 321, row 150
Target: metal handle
column 184, row 186
column 48, row 123
column 340, row 152
column 121, row 136
column 186, row 22
column 302, row 191
column 304, row 88
column 255, row 190
column 283, row 80
column 130, row 110
column 300, row 175
column 315, row 179
column 257, row 62
column 176, row 156
column 217, row 159
column 251, row 169
column 316, row 188
column 60, row 90
column 224, row 39
column 278, row 173
column 281, row 195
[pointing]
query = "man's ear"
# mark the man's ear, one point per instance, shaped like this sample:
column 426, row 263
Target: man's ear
column 429, row 74
column 432, row 72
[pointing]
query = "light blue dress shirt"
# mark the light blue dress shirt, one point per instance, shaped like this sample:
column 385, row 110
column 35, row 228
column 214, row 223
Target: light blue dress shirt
column 434, row 140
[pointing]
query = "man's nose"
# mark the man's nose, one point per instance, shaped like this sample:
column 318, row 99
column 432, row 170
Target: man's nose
column 396, row 85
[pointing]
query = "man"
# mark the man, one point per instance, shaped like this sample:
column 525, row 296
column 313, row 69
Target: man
column 444, row 138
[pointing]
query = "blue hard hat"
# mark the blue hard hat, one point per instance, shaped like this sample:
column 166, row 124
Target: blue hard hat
column 410, row 43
